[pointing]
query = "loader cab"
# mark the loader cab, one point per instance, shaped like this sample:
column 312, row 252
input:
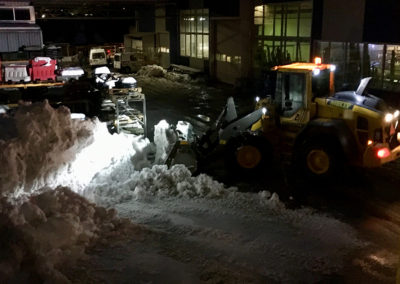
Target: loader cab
column 290, row 94
column 297, row 85
column 321, row 83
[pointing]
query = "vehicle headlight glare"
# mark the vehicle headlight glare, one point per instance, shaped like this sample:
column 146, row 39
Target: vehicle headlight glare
column 316, row 72
column 257, row 99
column 388, row 117
column 264, row 110
column 396, row 114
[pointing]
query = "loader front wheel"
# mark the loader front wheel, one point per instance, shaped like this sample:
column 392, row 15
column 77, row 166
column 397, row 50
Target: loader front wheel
column 247, row 154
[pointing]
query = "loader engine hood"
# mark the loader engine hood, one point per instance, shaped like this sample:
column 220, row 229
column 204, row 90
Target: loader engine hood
column 368, row 101
column 361, row 98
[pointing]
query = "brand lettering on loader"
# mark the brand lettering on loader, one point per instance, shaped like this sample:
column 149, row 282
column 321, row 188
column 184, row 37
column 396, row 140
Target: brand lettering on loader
column 340, row 104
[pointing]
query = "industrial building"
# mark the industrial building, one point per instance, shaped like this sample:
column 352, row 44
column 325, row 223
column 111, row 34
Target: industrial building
column 233, row 41
column 18, row 27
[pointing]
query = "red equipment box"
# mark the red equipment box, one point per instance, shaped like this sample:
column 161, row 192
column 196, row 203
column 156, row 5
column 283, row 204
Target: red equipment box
column 42, row 69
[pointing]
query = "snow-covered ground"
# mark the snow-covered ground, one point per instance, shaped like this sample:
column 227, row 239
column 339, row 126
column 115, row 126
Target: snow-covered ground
column 80, row 205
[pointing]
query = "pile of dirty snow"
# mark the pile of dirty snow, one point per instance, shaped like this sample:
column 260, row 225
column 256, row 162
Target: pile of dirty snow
column 50, row 231
column 167, row 79
column 158, row 181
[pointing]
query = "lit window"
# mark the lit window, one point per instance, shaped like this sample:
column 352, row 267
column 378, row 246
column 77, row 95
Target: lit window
column 229, row 59
column 237, row 59
column 284, row 31
column 164, row 49
column 194, row 29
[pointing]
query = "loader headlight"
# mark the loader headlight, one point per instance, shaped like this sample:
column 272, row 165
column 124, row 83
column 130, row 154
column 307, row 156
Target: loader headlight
column 264, row 110
column 396, row 114
column 316, row 72
column 388, row 117
column 257, row 99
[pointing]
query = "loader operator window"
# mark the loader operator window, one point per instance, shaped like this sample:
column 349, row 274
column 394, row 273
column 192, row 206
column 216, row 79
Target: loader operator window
column 320, row 83
column 290, row 91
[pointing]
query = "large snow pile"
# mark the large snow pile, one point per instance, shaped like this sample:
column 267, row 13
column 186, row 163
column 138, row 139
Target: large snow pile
column 51, row 149
column 48, row 225
column 44, row 225
column 112, row 186
column 49, row 231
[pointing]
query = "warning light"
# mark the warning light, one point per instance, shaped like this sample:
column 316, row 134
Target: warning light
column 369, row 142
column 383, row 153
column 318, row 60
column 108, row 51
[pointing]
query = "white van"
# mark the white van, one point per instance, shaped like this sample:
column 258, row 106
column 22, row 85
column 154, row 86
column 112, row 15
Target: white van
column 128, row 62
column 97, row 56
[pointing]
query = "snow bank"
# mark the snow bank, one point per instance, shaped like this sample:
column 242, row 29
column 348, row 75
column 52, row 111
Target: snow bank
column 43, row 226
column 167, row 79
column 49, row 231
column 51, row 150
column 51, row 225
column 151, row 71
column 158, row 181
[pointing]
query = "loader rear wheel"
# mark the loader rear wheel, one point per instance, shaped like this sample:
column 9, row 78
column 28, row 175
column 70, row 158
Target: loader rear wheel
column 247, row 154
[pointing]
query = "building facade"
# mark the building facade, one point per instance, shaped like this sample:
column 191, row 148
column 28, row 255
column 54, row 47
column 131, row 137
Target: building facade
column 17, row 27
column 237, row 40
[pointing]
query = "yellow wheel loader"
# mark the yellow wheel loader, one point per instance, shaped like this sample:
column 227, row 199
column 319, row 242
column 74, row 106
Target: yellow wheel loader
column 305, row 122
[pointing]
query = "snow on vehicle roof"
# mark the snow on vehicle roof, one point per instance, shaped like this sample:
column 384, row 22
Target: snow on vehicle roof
column 128, row 80
column 72, row 71
column 102, row 70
